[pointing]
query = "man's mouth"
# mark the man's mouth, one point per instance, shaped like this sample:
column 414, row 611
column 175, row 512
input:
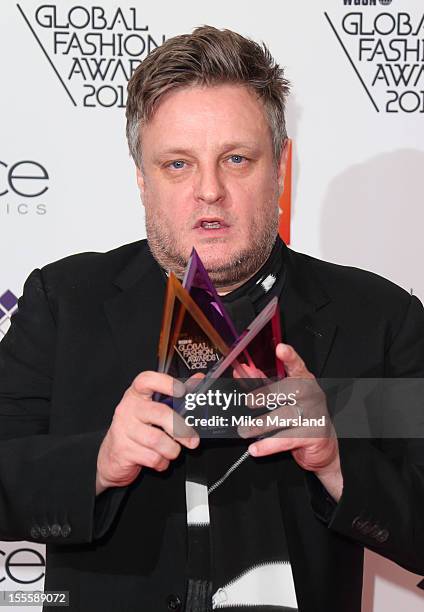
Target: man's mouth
column 211, row 224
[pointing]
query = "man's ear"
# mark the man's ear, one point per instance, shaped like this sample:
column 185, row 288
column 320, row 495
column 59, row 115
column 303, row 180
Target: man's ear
column 282, row 166
column 140, row 181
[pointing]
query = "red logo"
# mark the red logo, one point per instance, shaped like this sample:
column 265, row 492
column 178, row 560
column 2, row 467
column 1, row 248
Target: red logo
column 285, row 199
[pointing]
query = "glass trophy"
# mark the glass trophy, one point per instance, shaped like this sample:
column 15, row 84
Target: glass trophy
column 232, row 364
column 198, row 336
column 189, row 342
column 202, row 290
column 200, row 287
column 232, row 377
column 263, row 336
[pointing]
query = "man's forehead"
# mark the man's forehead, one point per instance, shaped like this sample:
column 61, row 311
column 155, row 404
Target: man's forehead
column 227, row 115
column 211, row 99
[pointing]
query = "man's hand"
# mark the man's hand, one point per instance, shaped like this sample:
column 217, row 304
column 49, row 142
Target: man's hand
column 314, row 448
column 141, row 432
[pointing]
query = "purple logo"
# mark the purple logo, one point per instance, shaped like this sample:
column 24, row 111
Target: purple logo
column 8, row 305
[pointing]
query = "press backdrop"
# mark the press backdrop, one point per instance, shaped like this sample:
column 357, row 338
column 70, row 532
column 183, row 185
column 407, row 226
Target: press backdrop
column 355, row 115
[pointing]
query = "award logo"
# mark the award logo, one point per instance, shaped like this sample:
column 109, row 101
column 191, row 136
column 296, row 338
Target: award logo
column 92, row 50
column 385, row 49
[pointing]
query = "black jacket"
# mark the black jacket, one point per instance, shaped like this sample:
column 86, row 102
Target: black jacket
column 86, row 326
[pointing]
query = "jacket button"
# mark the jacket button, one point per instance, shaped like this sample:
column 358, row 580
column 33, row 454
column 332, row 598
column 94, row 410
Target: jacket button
column 35, row 532
column 55, row 530
column 358, row 523
column 174, row 602
column 382, row 536
column 45, row 531
column 66, row 530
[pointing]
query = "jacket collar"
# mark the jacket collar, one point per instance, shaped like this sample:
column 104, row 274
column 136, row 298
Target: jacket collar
column 142, row 265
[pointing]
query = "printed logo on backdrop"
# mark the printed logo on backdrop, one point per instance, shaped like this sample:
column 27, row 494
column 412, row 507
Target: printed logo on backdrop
column 92, row 50
column 21, row 566
column 23, row 187
column 8, row 305
column 384, row 43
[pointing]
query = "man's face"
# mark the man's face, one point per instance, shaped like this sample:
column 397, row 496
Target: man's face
column 209, row 180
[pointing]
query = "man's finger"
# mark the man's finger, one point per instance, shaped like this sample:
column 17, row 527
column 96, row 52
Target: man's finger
column 193, row 382
column 269, row 422
column 149, row 382
column 248, row 371
column 155, row 439
column 275, row 444
column 293, row 363
column 161, row 415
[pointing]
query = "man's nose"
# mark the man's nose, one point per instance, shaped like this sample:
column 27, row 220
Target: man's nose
column 209, row 187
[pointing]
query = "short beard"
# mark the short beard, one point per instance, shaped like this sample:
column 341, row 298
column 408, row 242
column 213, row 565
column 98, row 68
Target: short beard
column 237, row 270
column 247, row 261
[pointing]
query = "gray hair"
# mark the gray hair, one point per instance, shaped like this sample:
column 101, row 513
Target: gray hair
column 208, row 56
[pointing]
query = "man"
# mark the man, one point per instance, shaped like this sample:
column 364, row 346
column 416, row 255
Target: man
column 89, row 462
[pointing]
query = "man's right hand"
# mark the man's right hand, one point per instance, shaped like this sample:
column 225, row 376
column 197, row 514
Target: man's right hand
column 141, row 432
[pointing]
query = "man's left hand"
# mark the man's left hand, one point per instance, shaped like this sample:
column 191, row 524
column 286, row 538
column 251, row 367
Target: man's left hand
column 314, row 448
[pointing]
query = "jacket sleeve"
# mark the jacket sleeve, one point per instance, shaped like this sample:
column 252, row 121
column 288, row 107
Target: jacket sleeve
column 47, row 482
column 382, row 504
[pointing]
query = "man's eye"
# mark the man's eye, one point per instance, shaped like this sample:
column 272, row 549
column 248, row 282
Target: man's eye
column 237, row 159
column 177, row 164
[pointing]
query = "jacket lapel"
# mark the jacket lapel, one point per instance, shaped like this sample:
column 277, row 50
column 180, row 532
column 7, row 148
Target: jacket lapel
column 135, row 313
column 308, row 326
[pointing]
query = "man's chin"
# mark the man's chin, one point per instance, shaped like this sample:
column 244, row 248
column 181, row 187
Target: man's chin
column 227, row 262
column 217, row 257
column 225, row 269
column 210, row 248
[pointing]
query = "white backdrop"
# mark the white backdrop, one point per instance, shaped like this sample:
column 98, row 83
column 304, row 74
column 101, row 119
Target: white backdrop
column 355, row 115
